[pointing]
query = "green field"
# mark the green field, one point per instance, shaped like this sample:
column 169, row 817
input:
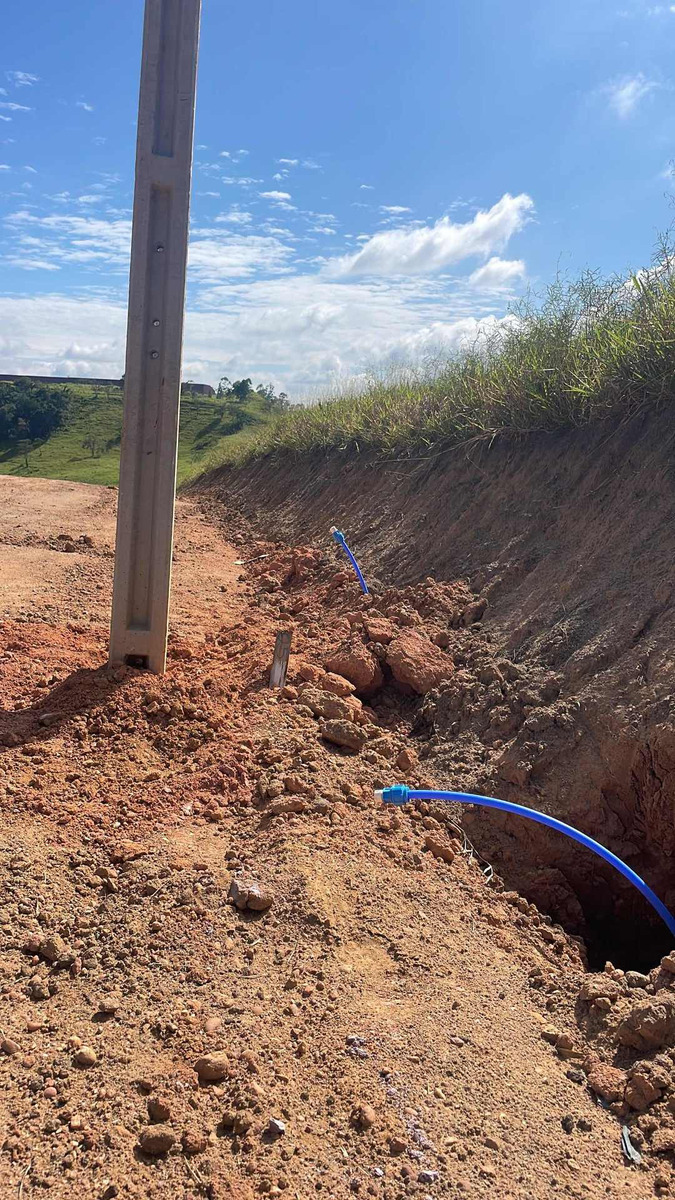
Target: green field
column 95, row 416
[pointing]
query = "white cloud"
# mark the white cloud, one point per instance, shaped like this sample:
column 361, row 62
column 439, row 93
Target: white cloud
column 275, row 195
column 235, row 217
column 394, row 209
column 31, row 170
column 212, row 195
column 99, row 141
column 624, row 95
column 497, row 273
column 302, row 331
column 22, row 78
column 5, row 119
column 83, row 104
column 12, row 106
column 239, row 180
column 5, row 167
column 89, row 199
column 310, row 165
column 436, row 247
column 234, row 156
column 288, row 162
column 366, row 187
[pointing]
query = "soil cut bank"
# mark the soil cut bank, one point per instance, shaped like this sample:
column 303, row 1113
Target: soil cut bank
column 567, row 543
column 226, row 972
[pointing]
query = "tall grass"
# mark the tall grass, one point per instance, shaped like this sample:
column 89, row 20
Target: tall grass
column 591, row 348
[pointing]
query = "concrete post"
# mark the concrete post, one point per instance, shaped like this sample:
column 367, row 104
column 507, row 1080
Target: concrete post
column 140, row 608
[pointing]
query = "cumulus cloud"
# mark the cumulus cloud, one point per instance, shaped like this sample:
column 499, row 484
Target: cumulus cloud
column 624, row 95
column 394, row 209
column 275, row 195
column 497, row 273
column 434, row 248
column 288, row 162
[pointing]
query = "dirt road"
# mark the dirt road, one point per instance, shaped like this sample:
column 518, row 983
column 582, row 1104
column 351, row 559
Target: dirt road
column 225, row 971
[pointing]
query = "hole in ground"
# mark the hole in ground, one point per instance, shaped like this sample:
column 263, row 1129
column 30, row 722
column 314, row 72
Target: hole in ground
column 588, row 898
column 632, row 942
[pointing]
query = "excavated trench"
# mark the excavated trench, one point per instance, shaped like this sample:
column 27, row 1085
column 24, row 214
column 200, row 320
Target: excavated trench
column 568, row 539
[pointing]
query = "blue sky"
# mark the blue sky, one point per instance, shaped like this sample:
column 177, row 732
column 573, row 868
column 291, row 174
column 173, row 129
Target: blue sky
column 374, row 180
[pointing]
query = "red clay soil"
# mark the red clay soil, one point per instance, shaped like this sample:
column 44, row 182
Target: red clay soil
column 226, row 970
column 568, row 542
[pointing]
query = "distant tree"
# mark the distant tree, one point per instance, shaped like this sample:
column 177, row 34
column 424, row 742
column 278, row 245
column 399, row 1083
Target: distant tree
column 241, row 390
column 92, row 444
column 224, row 388
column 30, row 411
column 271, row 401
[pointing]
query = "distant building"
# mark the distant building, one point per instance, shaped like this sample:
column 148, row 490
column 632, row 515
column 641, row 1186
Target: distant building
column 196, row 389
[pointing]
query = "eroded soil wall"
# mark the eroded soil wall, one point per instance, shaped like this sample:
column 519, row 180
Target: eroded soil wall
column 570, row 539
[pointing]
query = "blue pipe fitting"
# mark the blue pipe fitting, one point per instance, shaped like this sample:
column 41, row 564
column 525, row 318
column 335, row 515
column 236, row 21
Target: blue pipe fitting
column 400, row 794
column 339, row 538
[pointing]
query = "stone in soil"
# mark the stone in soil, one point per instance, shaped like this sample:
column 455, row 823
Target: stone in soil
column 415, row 662
column 156, row 1139
column 211, row 1068
column 344, row 733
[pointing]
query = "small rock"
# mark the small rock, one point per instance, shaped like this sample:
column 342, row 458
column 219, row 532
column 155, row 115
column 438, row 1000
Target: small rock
column 441, row 849
column 568, row 1124
column 407, row 759
column 550, row 1034
column 10, row 1047
column 354, row 662
column 608, row 1082
column 663, row 1141
column 247, row 893
column 640, row 1091
column 212, row 1067
column 428, row 1177
column 156, row 1139
column 276, row 1128
column 648, row 1026
column 52, row 948
column 397, row 1145
column 159, row 1108
column 109, row 1005
column 417, row 663
column 634, row 979
column 85, row 1056
column 344, row 733
column 193, row 1141
column 363, row 1116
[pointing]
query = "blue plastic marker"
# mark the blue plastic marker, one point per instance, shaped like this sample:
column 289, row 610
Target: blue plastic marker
column 340, row 539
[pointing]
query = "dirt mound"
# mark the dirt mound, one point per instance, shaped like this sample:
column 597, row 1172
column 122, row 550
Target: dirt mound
column 565, row 543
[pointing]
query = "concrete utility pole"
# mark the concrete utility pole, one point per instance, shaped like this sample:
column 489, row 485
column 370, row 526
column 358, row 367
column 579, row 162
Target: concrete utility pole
column 140, row 609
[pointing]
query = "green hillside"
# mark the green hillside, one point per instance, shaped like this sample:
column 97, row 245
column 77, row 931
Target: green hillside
column 86, row 449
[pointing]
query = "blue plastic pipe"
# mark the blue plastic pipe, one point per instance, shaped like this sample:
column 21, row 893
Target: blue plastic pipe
column 340, row 539
column 400, row 794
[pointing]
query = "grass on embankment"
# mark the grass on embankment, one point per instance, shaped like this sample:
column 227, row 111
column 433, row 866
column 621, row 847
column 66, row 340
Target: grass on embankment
column 95, row 415
column 591, row 349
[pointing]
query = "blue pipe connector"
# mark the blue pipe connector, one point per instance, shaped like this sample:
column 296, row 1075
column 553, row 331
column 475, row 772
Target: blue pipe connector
column 339, row 537
column 400, row 794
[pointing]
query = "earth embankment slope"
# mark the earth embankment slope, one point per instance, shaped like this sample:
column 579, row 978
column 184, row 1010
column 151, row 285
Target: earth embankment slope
column 569, row 540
